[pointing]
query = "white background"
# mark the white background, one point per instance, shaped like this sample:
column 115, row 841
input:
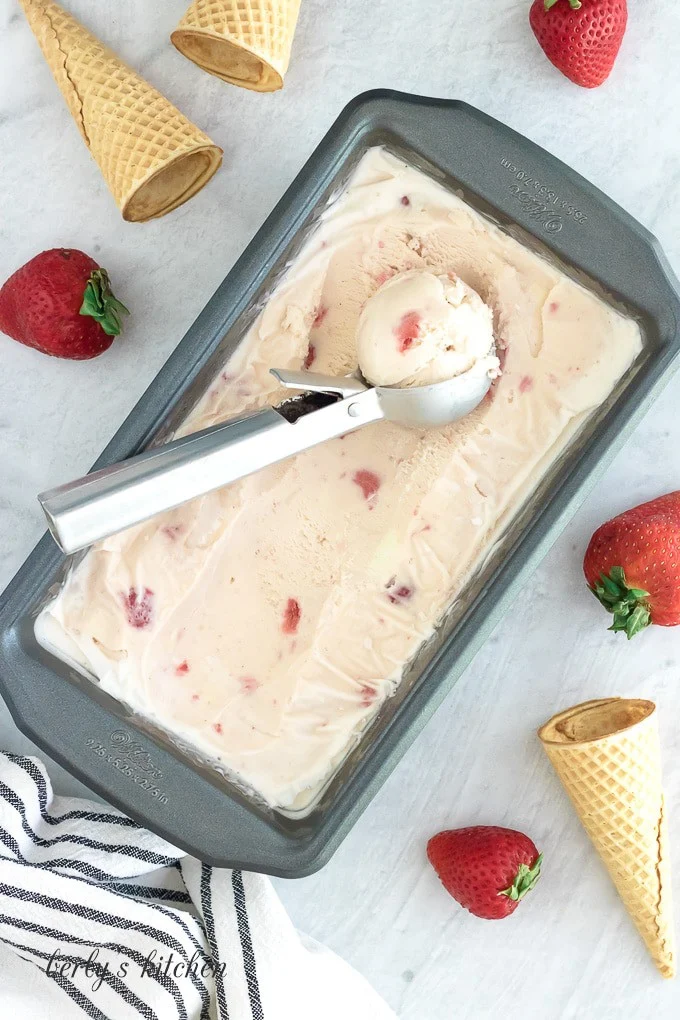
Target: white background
column 570, row 950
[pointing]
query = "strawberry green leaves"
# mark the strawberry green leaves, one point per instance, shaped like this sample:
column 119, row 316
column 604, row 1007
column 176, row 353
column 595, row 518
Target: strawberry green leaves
column 524, row 881
column 100, row 303
column 629, row 606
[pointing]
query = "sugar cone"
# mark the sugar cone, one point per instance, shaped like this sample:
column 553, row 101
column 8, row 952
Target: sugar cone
column 607, row 755
column 152, row 158
column 245, row 42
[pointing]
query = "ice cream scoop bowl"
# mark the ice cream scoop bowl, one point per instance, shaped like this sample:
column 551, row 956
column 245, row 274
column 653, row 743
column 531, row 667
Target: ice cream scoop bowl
column 117, row 497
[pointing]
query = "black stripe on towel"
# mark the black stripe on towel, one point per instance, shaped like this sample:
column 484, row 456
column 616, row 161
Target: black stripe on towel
column 32, row 770
column 112, row 920
column 177, row 919
column 209, row 921
column 127, row 849
column 114, row 983
column 74, row 993
column 151, row 892
column 170, row 913
column 61, row 863
column 244, row 935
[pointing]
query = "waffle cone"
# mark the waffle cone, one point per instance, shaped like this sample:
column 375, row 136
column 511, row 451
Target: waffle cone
column 152, row 158
column 607, row 756
column 245, row 42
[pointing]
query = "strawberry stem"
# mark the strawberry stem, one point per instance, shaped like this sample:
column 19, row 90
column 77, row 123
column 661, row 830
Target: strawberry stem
column 100, row 303
column 524, row 881
column 629, row 606
column 574, row 4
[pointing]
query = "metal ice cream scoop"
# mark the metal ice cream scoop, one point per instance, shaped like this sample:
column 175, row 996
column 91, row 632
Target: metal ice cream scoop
column 117, row 497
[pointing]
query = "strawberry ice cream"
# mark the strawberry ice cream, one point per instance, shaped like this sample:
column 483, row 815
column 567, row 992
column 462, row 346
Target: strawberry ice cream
column 263, row 625
column 419, row 328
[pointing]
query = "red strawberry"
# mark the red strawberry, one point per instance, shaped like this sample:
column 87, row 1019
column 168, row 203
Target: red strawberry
column 487, row 869
column 291, row 617
column 632, row 565
column 580, row 37
column 61, row 303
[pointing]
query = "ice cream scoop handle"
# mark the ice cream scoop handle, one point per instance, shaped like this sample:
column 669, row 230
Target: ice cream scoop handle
column 117, row 497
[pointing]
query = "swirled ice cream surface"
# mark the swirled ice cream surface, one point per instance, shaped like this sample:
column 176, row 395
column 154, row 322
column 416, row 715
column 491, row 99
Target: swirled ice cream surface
column 265, row 624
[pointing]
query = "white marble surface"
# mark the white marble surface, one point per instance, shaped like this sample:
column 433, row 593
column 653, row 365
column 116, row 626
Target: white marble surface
column 570, row 951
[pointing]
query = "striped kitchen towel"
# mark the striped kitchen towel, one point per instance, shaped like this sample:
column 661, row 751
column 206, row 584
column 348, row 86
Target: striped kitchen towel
column 101, row 918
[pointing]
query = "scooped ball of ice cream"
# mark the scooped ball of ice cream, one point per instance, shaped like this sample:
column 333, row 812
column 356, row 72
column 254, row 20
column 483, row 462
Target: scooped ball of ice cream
column 419, row 328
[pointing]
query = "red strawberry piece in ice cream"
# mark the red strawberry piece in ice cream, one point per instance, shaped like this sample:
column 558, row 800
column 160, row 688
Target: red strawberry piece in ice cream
column 291, row 617
column 526, row 384
column 217, row 727
column 321, row 313
column 310, row 357
column 368, row 482
column 408, row 331
column 397, row 592
column 138, row 607
column 182, row 669
column 368, row 695
column 172, row 531
column 249, row 684
column 405, row 200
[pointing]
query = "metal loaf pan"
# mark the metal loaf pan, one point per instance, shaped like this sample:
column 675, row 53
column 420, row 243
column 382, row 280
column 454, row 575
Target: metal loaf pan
column 541, row 202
